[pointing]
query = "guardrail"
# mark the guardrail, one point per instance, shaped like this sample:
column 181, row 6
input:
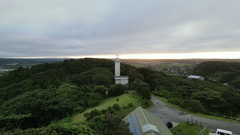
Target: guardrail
column 203, row 130
column 231, row 118
column 195, row 122
column 200, row 124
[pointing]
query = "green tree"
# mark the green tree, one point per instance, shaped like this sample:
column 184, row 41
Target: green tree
column 116, row 107
column 146, row 71
column 211, row 100
column 68, row 91
column 231, row 103
column 101, row 79
column 133, row 75
column 92, row 102
column 145, row 93
column 236, row 82
column 116, row 90
column 153, row 79
column 141, row 85
column 100, row 89
column 193, row 105
column 110, row 124
column 94, row 99
column 135, row 83
column 55, row 129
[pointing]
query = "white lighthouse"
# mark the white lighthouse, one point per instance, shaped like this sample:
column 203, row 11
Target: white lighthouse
column 118, row 78
column 117, row 66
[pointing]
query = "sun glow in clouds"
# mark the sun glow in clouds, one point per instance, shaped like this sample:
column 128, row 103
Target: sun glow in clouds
column 209, row 55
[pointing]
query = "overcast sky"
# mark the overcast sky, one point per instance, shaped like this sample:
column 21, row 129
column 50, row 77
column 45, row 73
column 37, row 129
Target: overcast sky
column 61, row 28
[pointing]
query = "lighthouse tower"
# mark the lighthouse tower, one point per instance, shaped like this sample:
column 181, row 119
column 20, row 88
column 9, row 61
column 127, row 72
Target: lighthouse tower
column 117, row 66
column 118, row 78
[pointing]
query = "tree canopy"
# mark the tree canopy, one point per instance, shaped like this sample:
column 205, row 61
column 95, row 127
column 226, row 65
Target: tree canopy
column 32, row 98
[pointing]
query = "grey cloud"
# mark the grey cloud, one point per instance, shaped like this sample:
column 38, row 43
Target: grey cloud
column 71, row 28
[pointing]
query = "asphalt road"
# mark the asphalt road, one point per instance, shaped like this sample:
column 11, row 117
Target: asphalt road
column 168, row 113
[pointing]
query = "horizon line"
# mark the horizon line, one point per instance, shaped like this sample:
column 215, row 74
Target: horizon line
column 200, row 55
column 107, row 58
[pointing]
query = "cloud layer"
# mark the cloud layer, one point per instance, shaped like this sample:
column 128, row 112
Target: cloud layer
column 60, row 28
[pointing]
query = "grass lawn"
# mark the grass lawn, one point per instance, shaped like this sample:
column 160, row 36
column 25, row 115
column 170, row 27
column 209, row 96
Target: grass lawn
column 189, row 112
column 188, row 129
column 124, row 100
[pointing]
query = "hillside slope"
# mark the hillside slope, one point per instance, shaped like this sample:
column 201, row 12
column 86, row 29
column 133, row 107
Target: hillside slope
column 31, row 98
column 52, row 91
column 220, row 71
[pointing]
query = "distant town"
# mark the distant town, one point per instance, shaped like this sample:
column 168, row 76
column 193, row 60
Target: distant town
column 175, row 68
column 179, row 67
column 7, row 65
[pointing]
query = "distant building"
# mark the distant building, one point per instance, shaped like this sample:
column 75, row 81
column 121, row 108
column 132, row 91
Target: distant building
column 5, row 70
column 142, row 122
column 12, row 64
column 226, row 84
column 196, row 77
column 118, row 78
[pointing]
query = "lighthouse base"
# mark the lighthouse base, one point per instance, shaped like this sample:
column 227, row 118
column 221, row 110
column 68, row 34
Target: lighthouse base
column 121, row 80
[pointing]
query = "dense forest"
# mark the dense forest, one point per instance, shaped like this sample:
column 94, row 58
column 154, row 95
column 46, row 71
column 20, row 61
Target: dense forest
column 31, row 98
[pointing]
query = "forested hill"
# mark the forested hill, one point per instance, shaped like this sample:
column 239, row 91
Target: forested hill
column 54, row 90
column 32, row 98
column 220, row 71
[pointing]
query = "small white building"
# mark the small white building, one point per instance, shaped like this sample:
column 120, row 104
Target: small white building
column 196, row 77
column 226, row 84
column 118, row 78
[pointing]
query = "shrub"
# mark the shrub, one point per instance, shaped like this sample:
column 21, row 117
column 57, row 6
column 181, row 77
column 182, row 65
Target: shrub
column 178, row 101
column 103, row 111
column 163, row 93
column 190, row 123
column 146, row 103
column 116, row 107
column 64, row 120
column 79, row 109
column 117, row 99
column 171, row 100
column 125, row 107
column 92, row 114
column 210, row 113
column 175, row 101
column 110, row 110
column 130, row 104
column 92, row 102
column 116, row 90
column 55, row 129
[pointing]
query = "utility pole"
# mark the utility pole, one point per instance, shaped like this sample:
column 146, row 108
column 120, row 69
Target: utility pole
column 156, row 85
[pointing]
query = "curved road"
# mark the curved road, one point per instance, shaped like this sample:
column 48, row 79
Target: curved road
column 168, row 113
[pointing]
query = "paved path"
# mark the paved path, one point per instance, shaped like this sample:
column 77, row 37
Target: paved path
column 168, row 113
